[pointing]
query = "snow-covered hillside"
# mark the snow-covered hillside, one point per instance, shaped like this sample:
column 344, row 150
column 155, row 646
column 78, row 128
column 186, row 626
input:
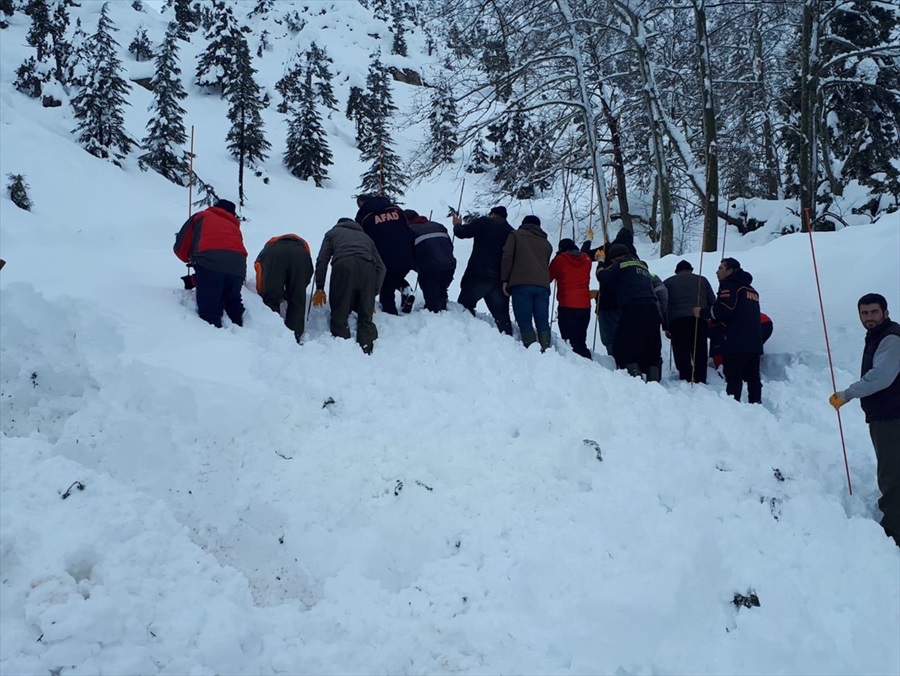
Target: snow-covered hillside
column 246, row 505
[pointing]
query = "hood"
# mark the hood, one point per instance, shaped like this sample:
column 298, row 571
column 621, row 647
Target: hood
column 741, row 277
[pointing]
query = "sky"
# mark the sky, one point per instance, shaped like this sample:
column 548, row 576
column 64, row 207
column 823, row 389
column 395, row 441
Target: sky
column 177, row 499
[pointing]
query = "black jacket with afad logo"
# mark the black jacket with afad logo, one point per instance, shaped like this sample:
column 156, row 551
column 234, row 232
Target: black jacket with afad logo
column 386, row 224
column 737, row 309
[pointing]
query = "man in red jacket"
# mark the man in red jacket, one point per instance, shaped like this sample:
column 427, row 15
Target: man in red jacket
column 212, row 242
column 571, row 269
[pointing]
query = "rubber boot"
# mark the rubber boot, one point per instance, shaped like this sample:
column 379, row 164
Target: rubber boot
column 633, row 369
column 528, row 338
column 544, row 340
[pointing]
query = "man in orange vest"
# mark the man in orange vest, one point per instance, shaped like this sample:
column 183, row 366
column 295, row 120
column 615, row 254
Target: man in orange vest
column 284, row 269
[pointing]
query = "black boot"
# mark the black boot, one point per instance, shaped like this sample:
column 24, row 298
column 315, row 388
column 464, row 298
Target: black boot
column 528, row 338
column 544, row 340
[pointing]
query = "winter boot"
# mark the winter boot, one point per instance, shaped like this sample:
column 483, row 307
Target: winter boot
column 653, row 374
column 528, row 338
column 544, row 340
column 367, row 347
column 633, row 369
column 407, row 300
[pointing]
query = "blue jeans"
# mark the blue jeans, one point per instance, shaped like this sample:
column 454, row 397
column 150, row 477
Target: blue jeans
column 531, row 302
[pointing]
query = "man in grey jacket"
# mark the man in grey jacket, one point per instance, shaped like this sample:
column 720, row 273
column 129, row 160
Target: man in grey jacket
column 689, row 335
column 357, row 273
column 878, row 391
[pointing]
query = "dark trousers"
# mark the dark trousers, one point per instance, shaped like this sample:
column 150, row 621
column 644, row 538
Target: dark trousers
column 472, row 290
column 434, row 287
column 285, row 275
column 573, row 326
column 352, row 289
column 684, row 331
column 886, row 440
column 607, row 323
column 393, row 281
column 218, row 293
column 740, row 368
column 637, row 338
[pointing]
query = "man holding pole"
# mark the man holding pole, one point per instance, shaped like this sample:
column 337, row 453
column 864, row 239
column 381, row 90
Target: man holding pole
column 878, row 391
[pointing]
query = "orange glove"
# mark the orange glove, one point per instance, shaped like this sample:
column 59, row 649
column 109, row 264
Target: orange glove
column 600, row 255
column 590, row 233
column 319, row 299
column 836, row 400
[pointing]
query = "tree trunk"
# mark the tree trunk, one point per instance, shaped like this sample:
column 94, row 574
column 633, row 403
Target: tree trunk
column 771, row 176
column 618, row 164
column 807, row 170
column 710, row 211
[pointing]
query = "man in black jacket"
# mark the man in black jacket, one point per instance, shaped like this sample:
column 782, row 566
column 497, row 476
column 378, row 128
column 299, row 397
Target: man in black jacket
column 482, row 276
column 878, row 390
column 637, row 345
column 386, row 224
column 737, row 307
column 435, row 263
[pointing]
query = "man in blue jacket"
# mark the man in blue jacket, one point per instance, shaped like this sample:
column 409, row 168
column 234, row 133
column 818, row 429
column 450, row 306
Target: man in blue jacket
column 737, row 308
column 434, row 259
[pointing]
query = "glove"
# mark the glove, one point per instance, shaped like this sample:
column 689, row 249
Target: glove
column 319, row 299
column 590, row 233
column 836, row 400
column 600, row 255
column 594, row 293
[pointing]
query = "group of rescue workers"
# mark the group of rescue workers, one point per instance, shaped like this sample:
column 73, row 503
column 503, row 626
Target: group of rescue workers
column 372, row 255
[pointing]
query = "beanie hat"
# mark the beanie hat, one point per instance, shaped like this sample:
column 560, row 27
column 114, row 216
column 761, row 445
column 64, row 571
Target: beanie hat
column 683, row 265
column 500, row 211
column 410, row 214
column 617, row 250
column 531, row 220
column 227, row 206
column 567, row 245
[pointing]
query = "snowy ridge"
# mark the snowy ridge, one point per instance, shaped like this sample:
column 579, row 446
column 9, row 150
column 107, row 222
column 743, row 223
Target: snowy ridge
column 444, row 514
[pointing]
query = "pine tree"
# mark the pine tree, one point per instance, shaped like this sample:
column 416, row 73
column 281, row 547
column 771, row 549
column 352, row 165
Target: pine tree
column 76, row 67
column 307, row 154
column 381, row 10
column 216, row 65
column 164, row 143
column 443, row 123
column 98, row 107
column 246, row 140
column 140, row 46
column 262, row 9
column 322, row 75
column 355, row 112
column 17, row 189
column 289, row 86
column 385, row 175
column 61, row 48
column 479, row 161
column 398, row 46
column 185, row 18
column 9, row 9
column 39, row 34
column 29, row 78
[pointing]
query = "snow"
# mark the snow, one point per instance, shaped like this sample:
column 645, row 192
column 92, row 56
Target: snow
column 444, row 514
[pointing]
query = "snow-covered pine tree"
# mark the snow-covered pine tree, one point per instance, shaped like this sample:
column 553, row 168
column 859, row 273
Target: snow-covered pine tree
column 322, row 75
column 17, row 189
column 217, row 63
column 246, row 139
column 39, row 34
column 443, row 124
column 8, row 9
column 307, row 155
column 289, row 86
column 381, row 10
column 261, row 9
column 76, row 67
column 355, row 112
column 61, row 47
column 385, row 175
column 479, row 160
column 140, row 46
column 186, row 18
column 98, row 107
column 398, row 44
column 166, row 135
